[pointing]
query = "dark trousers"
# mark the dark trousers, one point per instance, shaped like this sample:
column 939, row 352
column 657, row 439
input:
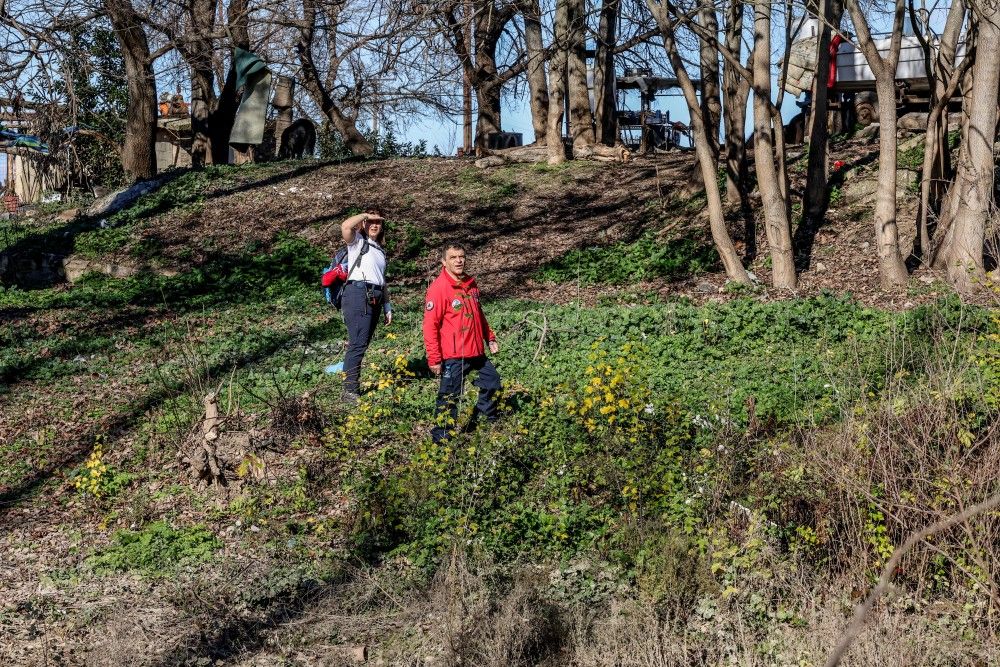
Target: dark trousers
column 361, row 316
column 453, row 372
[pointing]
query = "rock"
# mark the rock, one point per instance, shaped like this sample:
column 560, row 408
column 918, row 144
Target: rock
column 860, row 190
column 820, row 266
column 863, row 190
column 69, row 215
column 707, row 288
column 911, row 143
column 119, row 199
column 915, row 121
column 75, row 268
column 869, row 132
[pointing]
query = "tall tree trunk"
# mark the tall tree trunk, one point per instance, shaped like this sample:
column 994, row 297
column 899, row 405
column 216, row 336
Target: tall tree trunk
column 892, row 268
column 581, row 118
column 776, row 223
column 737, row 94
column 815, row 199
column 962, row 251
column 711, row 104
column 537, row 86
column 936, row 165
column 139, row 151
column 313, row 84
column 604, row 74
column 198, row 51
column 557, row 84
column 221, row 121
column 720, row 235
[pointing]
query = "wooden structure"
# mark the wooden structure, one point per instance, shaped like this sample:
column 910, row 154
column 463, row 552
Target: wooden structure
column 647, row 129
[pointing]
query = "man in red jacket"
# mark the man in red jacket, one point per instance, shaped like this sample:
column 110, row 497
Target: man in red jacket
column 456, row 335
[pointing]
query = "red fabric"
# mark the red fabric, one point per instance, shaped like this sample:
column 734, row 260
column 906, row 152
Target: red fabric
column 454, row 324
column 834, row 47
column 335, row 274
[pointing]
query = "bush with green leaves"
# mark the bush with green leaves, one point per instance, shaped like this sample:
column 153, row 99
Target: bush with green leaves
column 155, row 550
column 625, row 263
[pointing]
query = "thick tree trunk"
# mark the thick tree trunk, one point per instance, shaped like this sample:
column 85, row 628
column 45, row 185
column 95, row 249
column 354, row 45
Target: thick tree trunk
column 737, row 94
column 197, row 49
column 485, row 79
column 557, row 85
column 711, row 104
column 581, row 118
column 720, row 235
column 776, row 223
column 537, row 86
column 487, row 113
column 962, row 251
column 892, row 268
column 139, row 151
column 604, row 74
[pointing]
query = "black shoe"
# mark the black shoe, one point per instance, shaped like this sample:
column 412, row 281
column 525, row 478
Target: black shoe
column 350, row 397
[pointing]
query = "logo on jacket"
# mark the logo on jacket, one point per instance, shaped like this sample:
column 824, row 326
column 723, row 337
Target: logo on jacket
column 456, row 304
column 429, row 306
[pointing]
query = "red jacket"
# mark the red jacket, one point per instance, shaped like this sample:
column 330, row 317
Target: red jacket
column 454, row 324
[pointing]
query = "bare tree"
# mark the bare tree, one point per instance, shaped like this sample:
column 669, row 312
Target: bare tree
column 776, row 214
column 538, row 89
column 892, row 269
column 816, row 196
column 944, row 79
column 699, row 129
column 736, row 95
column 139, row 151
column 961, row 252
column 604, row 73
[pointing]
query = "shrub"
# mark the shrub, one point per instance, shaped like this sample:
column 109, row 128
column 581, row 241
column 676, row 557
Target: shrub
column 155, row 550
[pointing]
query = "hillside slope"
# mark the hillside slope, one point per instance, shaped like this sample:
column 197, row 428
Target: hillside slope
column 711, row 479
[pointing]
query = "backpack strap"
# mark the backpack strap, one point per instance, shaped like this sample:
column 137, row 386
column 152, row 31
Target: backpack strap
column 357, row 262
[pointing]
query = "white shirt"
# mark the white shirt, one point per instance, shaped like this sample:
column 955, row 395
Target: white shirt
column 371, row 269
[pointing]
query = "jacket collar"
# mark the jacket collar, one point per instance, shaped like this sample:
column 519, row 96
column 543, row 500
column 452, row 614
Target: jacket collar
column 464, row 282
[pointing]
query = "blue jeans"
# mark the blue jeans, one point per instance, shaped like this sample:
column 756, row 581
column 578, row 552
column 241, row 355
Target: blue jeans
column 453, row 372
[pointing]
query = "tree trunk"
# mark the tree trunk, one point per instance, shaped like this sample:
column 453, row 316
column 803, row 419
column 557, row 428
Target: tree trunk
column 487, row 113
column 892, row 268
column 717, row 222
column 776, row 223
column 537, row 86
column 816, row 196
column 485, row 80
column 604, row 74
column 196, row 48
column 936, row 165
column 711, row 104
column 557, row 85
column 737, row 94
column 581, row 118
column 962, row 251
column 139, row 151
